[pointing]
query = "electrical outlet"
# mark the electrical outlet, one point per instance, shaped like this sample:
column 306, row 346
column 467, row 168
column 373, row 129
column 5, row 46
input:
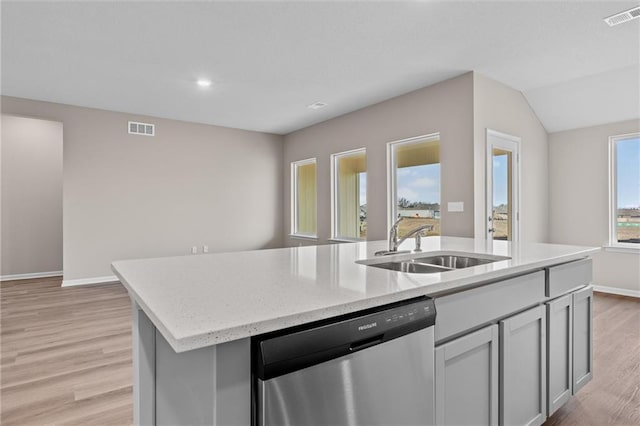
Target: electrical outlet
column 205, row 249
column 194, row 250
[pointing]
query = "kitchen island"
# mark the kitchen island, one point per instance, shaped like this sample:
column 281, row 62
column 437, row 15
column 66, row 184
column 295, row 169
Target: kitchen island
column 194, row 317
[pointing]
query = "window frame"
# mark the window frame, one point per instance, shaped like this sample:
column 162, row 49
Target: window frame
column 294, row 198
column 335, row 202
column 392, row 184
column 613, row 194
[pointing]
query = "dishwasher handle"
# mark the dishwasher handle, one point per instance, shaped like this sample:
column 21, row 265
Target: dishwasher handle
column 366, row 343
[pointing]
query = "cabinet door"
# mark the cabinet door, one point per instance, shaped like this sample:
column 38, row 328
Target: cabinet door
column 582, row 338
column 523, row 368
column 559, row 351
column 467, row 379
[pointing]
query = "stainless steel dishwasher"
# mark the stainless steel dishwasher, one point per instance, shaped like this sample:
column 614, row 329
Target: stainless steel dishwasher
column 372, row 368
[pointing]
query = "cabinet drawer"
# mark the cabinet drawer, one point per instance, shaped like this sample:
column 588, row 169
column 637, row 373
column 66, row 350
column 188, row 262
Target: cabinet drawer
column 570, row 276
column 469, row 309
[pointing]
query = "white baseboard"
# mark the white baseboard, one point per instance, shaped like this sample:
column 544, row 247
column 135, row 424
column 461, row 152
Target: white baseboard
column 30, row 276
column 89, row 281
column 618, row 291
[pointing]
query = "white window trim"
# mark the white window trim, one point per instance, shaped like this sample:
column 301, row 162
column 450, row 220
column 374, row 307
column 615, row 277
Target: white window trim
column 303, row 237
column 338, row 240
column 294, row 198
column 614, row 245
column 334, row 194
column 620, row 248
column 392, row 188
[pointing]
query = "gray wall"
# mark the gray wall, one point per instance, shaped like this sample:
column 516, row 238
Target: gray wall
column 129, row 196
column 31, row 196
column 446, row 107
column 579, row 199
column 499, row 107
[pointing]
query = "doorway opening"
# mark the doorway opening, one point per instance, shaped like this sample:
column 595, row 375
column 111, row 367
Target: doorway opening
column 31, row 198
column 502, row 186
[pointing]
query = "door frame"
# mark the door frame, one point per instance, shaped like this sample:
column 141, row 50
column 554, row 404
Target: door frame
column 495, row 139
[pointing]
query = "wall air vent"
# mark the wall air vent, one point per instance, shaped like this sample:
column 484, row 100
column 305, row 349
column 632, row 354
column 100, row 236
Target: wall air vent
column 144, row 129
column 622, row 17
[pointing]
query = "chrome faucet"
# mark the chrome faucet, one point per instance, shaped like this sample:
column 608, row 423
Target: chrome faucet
column 394, row 243
column 393, row 235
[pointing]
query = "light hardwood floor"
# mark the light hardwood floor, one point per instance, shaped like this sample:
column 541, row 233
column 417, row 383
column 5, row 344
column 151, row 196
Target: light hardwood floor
column 66, row 358
column 66, row 354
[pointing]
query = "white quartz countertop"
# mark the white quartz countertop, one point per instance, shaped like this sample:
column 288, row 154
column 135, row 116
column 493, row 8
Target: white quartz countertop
column 203, row 300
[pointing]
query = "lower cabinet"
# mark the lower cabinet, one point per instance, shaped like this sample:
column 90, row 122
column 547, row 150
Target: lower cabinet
column 582, row 338
column 560, row 351
column 523, row 372
column 570, row 346
column 520, row 370
column 467, row 379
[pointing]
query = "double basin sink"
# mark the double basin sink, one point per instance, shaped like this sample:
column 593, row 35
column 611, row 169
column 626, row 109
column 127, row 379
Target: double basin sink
column 429, row 263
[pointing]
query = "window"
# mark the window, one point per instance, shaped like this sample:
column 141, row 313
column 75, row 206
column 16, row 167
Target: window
column 414, row 182
column 303, row 196
column 625, row 190
column 349, row 200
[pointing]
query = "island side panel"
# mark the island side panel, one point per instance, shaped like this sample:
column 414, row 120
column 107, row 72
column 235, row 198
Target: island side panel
column 143, row 336
column 207, row 386
column 233, row 383
column 185, row 385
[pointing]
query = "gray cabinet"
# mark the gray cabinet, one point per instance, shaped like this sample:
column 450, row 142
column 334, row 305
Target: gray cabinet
column 570, row 276
column 523, row 370
column 467, row 379
column 570, row 346
column 559, row 351
column 473, row 308
column 582, row 338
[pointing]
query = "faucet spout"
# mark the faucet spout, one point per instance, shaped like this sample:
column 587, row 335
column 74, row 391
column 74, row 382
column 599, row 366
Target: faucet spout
column 414, row 231
column 393, row 235
column 394, row 243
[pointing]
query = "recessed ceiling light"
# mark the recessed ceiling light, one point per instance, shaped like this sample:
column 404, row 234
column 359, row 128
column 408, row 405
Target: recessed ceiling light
column 317, row 105
column 627, row 15
column 203, row 82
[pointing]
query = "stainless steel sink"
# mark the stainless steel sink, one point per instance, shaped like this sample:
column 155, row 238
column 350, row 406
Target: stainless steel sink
column 430, row 263
column 453, row 262
column 411, row 267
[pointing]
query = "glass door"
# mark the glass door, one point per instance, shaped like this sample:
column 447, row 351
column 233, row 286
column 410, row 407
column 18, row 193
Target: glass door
column 502, row 186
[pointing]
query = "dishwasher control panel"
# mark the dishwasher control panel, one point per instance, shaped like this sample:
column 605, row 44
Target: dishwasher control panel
column 283, row 351
column 423, row 313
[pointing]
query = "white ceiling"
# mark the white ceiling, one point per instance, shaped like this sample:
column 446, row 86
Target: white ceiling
column 269, row 60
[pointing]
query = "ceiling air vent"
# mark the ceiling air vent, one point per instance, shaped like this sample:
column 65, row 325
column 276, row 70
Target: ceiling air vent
column 317, row 105
column 144, row 129
column 622, row 17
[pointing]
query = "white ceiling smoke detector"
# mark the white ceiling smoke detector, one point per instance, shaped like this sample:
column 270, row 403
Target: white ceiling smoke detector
column 317, row 105
column 622, row 17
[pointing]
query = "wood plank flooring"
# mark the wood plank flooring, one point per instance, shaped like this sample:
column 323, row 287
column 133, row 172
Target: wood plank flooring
column 66, row 354
column 66, row 358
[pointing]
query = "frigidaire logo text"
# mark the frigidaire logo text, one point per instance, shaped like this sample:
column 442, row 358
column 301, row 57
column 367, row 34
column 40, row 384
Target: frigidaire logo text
column 367, row 326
